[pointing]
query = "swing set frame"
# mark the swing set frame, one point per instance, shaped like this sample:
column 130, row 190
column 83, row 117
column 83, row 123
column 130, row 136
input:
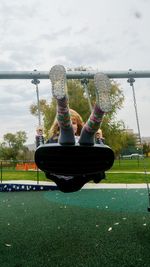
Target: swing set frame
column 75, row 74
column 130, row 75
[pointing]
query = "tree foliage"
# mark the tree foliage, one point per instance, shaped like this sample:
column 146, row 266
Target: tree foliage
column 130, row 144
column 146, row 149
column 13, row 145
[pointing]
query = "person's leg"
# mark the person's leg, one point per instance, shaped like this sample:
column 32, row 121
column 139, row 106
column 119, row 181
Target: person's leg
column 57, row 76
column 103, row 105
column 91, row 126
column 63, row 116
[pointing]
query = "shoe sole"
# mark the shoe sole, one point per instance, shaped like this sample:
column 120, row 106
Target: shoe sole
column 103, row 89
column 57, row 76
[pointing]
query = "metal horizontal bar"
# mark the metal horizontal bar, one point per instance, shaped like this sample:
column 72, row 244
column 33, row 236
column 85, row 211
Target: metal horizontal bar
column 73, row 74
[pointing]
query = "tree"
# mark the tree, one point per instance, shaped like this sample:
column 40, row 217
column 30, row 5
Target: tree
column 13, row 145
column 146, row 149
column 130, row 144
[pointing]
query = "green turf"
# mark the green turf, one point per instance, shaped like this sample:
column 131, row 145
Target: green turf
column 126, row 178
column 89, row 228
column 131, row 164
column 22, row 175
column 112, row 177
column 120, row 166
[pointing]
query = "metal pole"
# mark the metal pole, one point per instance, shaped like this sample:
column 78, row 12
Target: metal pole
column 131, row 81
column 37, row 176
column 74, row 74
column 38, row 104
column 136, row 113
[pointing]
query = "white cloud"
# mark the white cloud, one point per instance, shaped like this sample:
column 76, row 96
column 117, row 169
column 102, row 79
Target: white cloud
column 106, row 35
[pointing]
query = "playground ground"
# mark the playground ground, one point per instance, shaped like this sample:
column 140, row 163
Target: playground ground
column 107, row 226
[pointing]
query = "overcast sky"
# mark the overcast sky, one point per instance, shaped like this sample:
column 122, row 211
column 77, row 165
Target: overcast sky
column 102, row 34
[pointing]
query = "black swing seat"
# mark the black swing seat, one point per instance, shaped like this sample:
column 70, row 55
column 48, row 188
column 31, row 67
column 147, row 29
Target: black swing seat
column 74, row 159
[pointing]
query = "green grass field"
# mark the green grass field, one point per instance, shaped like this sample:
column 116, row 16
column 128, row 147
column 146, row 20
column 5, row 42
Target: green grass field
column 110, row 177
column 123, row 171
column 131, row 165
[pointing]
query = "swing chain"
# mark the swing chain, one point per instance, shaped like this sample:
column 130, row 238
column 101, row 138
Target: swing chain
column 131, row 81
column 84, row 83
column 36, row 82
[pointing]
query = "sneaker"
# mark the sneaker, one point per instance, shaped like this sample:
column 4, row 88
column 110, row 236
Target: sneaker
column 103, row 89
column 57, row 76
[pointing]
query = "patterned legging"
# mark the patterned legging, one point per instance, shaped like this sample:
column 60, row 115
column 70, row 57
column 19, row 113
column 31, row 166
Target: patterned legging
column 66, row 130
